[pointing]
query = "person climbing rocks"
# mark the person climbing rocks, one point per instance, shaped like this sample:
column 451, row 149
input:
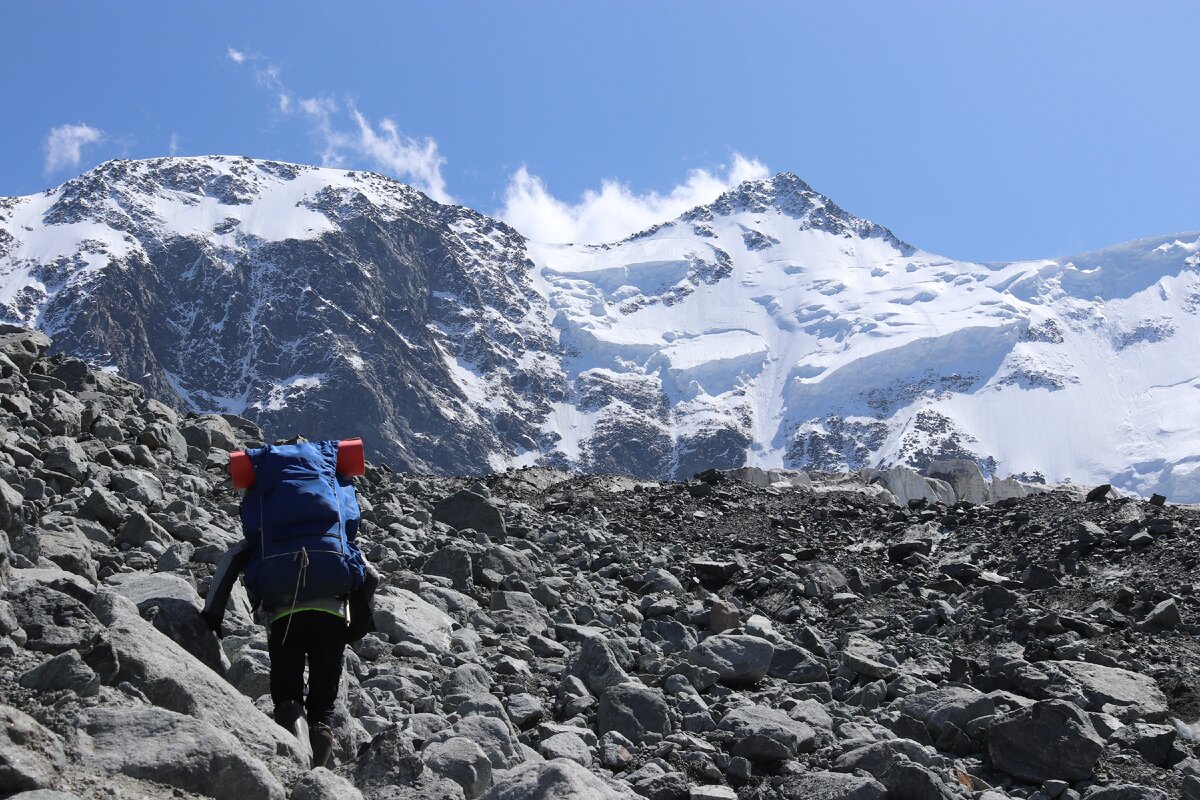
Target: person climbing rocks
column 303, row 572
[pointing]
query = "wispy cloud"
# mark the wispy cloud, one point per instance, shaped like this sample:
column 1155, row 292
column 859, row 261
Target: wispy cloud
column 236, row 56
column 614, row 211
column 346, row 137
column 64, row 145
column 173, row 147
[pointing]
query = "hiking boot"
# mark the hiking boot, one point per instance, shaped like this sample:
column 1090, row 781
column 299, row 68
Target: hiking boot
column 291, row 716
column 321, row 738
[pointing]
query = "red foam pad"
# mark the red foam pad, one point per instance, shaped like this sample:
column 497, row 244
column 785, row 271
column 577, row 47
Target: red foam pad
column 241, row 470
column 351, row 460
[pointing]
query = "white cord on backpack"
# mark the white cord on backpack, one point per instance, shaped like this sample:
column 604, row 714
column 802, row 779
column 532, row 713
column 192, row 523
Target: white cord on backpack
column 301, row 580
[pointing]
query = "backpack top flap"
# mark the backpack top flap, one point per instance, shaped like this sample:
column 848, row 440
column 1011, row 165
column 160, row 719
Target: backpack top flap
column 295, row 496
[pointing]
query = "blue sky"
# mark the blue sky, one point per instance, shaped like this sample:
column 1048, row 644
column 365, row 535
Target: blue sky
column 980, row 130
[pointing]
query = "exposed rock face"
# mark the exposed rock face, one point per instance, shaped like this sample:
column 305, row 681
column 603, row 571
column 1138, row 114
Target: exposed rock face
column 761, row 638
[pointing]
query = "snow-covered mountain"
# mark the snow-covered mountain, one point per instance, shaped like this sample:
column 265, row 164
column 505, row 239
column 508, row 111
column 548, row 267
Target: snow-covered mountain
column 769, row 328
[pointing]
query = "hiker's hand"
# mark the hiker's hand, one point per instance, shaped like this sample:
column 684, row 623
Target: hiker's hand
column 213, row 621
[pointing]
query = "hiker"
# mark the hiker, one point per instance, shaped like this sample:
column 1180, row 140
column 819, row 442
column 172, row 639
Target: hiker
column 303, row 572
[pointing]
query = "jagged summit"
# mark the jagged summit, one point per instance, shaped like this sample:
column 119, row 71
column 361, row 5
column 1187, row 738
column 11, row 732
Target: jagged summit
column 787, row 194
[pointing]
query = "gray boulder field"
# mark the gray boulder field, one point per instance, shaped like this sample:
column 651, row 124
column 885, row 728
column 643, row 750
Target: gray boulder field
column 753, row 634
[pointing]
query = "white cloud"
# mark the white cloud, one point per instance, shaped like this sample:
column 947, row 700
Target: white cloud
column 347, row 138
column 173, row 147
column 415, row 160
column 64, row 145
column 615, row 211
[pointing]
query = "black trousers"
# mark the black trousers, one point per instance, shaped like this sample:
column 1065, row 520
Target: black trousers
column 318, row 638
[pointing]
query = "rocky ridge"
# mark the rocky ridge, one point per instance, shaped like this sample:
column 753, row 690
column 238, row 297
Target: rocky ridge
column 546, row 634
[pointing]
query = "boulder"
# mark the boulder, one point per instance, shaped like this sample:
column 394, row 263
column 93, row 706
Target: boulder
column 210, row 431
column 63, row 454
column 63, row 544
column 597, row 665
column 1127, row 791
column 138, row 485
column 171, row 604
column 23, row 347
column 833, row 786
column 464, row 682
column 31, row 757
column 163, row 746
column 171, row 678
column 964, row 477
column 794, row 664
column 1051, row 739
column 739, row 660
column 55, row 622
column 462, row 761
column 405, row 617
column 321, row 784
column 64, row 672
column 1129, row 696
column 388, row 761
column 915, row 782
column 877, row 757
column 453, row 562
column 633, row 710
column 1155, row 743
column 466, row 509
column 767, row 735
column 952, row 704
column 12, row 515
column 566, row 745
column 868, row 657
column 493, row 735
column 558, row 779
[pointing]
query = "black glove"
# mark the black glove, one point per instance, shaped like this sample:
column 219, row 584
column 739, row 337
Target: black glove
column 213, row 620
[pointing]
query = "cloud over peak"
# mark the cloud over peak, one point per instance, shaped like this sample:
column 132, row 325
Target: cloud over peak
column 614, row 211
column 64, row 145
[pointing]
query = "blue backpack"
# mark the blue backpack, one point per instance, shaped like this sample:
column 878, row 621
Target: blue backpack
column 301, row 519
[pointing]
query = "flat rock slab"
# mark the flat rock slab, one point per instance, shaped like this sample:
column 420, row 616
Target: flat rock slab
column 159, row 745
column 1126, row 695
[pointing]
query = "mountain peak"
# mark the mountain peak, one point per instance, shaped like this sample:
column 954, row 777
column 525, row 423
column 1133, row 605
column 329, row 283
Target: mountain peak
column 787, row 194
